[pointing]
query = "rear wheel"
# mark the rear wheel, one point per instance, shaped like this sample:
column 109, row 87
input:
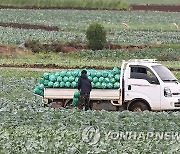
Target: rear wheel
column 138, row 107
column 57, row 104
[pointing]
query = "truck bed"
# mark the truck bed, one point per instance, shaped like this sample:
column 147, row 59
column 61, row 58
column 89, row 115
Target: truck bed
column 96, row 94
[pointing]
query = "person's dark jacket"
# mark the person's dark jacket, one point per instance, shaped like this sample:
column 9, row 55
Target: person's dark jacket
column 84, row 84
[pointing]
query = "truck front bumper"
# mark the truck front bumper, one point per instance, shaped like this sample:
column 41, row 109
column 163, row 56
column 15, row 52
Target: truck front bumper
column 171, row 103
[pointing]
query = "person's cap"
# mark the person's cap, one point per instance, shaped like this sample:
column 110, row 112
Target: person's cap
column 84, row 72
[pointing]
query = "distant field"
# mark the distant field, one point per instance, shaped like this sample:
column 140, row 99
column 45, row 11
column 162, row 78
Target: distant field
column 131, row 27
column 170, row 2
column 91, row 4
column 88, row 58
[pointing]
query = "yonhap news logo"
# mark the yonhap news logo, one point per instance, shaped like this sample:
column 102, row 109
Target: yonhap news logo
column 92, row 135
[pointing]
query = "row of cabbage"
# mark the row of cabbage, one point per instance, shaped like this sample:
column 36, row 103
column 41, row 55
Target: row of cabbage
column 68, row 19
column 161, row 54
column 170, row 57
column 136, row 36
column 124, row 27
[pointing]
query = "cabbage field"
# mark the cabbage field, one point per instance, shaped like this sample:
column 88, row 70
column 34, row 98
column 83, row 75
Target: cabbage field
column 27, row 127
column 88, row 4
column 131, row 27
column 90, row 59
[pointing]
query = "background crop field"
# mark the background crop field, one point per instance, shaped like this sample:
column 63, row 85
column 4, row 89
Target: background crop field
column 122, row 27
column 98, row 4
column 27, row 127
column 98, row 59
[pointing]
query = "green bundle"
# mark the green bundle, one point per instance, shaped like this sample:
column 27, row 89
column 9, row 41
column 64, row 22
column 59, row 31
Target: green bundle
column 76, row 98
column 100, row 79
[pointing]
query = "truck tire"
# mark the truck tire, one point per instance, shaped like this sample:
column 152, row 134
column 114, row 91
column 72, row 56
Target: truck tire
column 138, row 106
column 57, row 104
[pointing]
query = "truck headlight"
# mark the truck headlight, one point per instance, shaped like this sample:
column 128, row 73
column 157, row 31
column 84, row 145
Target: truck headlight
column 167, row 92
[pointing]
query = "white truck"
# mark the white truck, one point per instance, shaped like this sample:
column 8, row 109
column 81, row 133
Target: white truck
column 145, row 84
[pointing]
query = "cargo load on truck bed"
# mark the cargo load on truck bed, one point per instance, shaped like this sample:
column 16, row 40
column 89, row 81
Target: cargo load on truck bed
column 100, row 79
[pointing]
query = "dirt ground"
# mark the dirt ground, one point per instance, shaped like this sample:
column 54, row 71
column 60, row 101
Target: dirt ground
column 5, row 48
column 165, row 8
column 68, row 48
column 29, row 26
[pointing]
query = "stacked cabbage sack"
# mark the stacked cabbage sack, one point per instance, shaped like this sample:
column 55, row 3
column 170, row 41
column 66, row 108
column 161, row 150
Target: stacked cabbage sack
column 76, row 98
column 100, row 79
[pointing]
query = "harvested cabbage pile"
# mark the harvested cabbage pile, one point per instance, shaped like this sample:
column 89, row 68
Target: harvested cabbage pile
column 100, row 79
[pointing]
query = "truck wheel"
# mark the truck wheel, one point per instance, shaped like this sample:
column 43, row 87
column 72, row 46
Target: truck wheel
column 56, row 104
column 138, row 107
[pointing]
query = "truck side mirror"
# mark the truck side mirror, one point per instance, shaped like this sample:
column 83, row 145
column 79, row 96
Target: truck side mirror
column 154, row 80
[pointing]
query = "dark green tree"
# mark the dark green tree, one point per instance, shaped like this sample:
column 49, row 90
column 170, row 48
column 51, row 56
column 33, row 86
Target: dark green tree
column 96, row 36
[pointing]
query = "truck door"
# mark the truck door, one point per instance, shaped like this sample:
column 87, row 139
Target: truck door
column 142, row 83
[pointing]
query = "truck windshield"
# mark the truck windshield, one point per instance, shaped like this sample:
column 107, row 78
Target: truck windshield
column 164, row 73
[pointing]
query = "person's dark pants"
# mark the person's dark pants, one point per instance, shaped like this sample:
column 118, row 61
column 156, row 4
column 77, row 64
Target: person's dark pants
column 84, row 100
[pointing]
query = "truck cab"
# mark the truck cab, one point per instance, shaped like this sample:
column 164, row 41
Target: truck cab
column 149, row 85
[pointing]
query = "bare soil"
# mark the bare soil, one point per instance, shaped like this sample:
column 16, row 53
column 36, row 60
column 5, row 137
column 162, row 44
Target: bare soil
column 29, row 26
column 165, row 8
column 4, row 48
column 73, row 48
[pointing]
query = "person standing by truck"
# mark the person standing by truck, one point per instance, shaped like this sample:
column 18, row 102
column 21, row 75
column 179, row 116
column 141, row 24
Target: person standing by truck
column 85, row 87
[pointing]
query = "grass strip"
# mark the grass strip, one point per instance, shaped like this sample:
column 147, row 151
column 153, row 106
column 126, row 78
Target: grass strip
column 92, row 4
